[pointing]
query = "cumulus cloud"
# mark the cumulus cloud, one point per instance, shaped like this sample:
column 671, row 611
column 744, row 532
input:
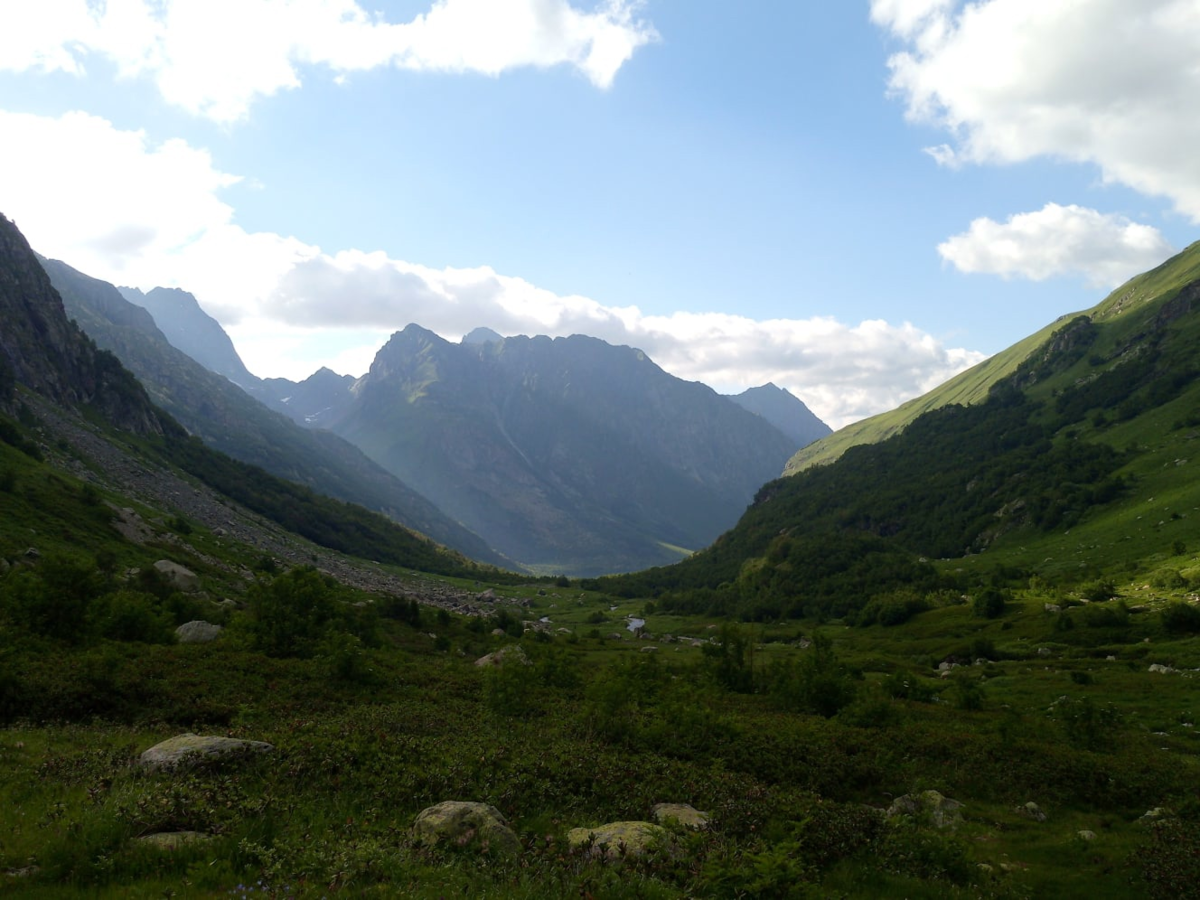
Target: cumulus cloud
column 119, row 207
column 1104, row 248
column 215, row 57
column 1106, row 82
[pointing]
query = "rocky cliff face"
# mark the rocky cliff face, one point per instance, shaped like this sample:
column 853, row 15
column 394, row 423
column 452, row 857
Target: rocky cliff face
column 50, row 355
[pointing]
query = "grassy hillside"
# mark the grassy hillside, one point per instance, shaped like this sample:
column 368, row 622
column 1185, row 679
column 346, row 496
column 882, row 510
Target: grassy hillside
column 972, row 386
column 797, row 739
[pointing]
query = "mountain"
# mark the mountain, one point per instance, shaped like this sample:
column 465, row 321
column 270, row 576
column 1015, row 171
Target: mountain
column 785, row 411
column 566, row 454
column 41, row 349
column 1066, row 459
column 226, row 418
column 189, row 328
column 318, row 401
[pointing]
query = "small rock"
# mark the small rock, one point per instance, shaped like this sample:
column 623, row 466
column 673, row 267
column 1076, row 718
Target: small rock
column 197, row 632
column 462, row 822
column 187, row 750
column 1162, row 670
column 512, row 653
column 1044, row 651
column 1051, row 607
column 1031, row 811
column 1155, row 816
column 1086, row 835
column 171, row 840
column 941, row 811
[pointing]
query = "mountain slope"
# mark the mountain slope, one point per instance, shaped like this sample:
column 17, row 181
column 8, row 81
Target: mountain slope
column 42, row 350
column 1074, row 463
column 228, row 419
column 567, row 454
column 972, row 386
column 785, row 411
column 189, row 328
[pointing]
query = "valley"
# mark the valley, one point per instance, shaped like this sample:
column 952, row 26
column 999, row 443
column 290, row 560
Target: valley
column 960, row 662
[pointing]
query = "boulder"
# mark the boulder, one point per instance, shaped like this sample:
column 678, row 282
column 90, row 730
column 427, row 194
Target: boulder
column 180, row 577
column 187, row 750
column 461, row 822
column 1155, row 816
column 197, row 632
column 1031, row 811
column 617, row 840
column 1086, row 835
column 941, row 811
column 513, row 653
column 686, row 815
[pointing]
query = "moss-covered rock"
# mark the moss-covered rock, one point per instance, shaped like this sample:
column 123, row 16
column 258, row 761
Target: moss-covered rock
column 464, row 822
column 685, row 814
column 618, row 839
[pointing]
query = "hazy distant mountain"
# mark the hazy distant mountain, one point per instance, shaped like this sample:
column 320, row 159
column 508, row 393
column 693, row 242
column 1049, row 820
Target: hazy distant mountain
column 482, row 336
column 785, row 411
column 192, row 330
column 227, row 418
column 565, row 454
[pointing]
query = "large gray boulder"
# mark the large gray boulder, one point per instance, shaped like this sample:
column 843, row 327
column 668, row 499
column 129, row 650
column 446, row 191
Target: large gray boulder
column 463, row 822
column 197, row 632
column 180, row 577
column 185, row 751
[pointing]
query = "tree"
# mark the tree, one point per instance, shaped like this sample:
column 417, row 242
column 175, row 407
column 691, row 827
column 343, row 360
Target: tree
column 291, row 613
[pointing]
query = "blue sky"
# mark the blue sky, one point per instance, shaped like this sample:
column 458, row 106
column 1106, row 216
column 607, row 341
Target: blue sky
column 854, row 200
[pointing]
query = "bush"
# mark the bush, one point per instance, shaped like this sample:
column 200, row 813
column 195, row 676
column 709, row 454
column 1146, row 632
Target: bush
column 132, row 616
column 816, row 682
column 1180, row 618
column 290, row 614
column 989, row 603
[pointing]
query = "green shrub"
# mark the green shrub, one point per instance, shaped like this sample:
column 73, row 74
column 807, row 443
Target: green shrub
column 132, row 616
column 1170, row 861
column 989, row 603
column 1180, row 618
column 290, row 614
column 815, row 682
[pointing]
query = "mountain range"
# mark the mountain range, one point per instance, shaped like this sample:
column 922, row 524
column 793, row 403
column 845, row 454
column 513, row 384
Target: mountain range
column 566, row 455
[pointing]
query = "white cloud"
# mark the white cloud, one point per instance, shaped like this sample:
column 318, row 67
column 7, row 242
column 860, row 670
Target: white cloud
column 120, row 208
column 1107, row 82
column 1106, row 249
column 215, row 57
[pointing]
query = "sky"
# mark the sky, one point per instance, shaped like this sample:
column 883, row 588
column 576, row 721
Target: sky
column 854, row 200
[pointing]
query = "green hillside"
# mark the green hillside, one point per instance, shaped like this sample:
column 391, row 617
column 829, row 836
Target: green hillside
column 1075, row 464
column 972, row 386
